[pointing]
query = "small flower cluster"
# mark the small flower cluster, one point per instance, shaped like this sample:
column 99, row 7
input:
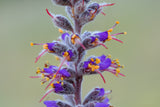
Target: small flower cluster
column 70, row 48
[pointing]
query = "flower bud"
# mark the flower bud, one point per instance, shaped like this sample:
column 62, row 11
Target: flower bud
column 62, row 22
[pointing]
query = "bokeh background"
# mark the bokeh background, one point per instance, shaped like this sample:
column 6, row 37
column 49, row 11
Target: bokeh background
column 25, row 21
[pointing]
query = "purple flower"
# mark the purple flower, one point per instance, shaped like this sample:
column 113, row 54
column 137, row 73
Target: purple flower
column 102, row 36
column 101, row 105
column 85, row 64
column 101, row 91
column 64, row 72
column 50, row 103
column 64, row 35
column 105, row 62
column 58, row 87
column 51, row 69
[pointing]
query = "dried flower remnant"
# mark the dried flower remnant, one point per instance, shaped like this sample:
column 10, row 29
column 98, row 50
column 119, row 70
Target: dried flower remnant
column 70, row 48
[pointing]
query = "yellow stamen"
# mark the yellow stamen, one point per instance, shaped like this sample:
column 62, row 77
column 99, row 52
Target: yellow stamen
column 58, row 82
column 92, row 59
column 122, row 66
column 42, row 75
column 42, row 83
column 57, row 58
column 32, row 44
column 47, row 79
column 117, row 61
column 52, row 85
column 60, row 30
column 110, row 30
column 96, row 67
column 45, row 46
column 117, row 71
column 109, row 38
column 109, row 56
column 62, row 83
column 97, row 61
column 119, row 65
column 125, row 33
column 65, row 54
column 54, row 76
column 117, row 22
column 112, row 62
column 62, row 78
column 89, row 65
column 38, row 71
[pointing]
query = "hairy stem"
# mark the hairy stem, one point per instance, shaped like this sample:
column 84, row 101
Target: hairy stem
column 77, row 27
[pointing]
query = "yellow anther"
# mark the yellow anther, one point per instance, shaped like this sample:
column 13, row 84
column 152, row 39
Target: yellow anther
column 45, row 46
column 117, row 22
column 92, row 69
column 54, row 76
column 96, row 67
column 42, row 83
column 60, row 30
column 89, row 65
column 42, row 75
column 117, row 72
column 47, row 79
column 110, row 30
column 52, row 85
column 122, row 66
column 112, row 62
column 32, row 44
column 57, row 58
column 92, row 59
column 38, row 71
column 58, row 82
column 125, row 33
column 62, row 83
column 117, row 61
column 98, row 61
column 109, row 38
column 65, row 54
column 109, row 56
column 62, row 78
column 119, row 65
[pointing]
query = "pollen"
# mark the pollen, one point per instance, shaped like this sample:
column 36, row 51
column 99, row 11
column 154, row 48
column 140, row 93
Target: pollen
column 38, row 71
column 65, row 54
column 42, row 75
column 110, row 30
column 62, row 78
column 62, row 83
column 47, row 79
column 122, row 66
column 109, row 56
column 45, row 46
column 32, row 44
column 54, row 76
column 92, row 59
column 58, row 82
column 42, row 83
column 117, row 61
column 52, row 85
column 97, row 61
column 60, row 30
column 109, row 38
column 125, row 33
column 117, row 22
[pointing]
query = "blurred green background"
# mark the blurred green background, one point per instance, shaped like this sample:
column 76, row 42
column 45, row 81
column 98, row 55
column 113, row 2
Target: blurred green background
column 25, row 21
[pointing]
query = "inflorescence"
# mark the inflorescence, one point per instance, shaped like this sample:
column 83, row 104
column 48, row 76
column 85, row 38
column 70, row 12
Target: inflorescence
column 70, row 48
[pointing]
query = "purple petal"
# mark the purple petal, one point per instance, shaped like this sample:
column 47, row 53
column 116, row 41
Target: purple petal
column 105, row 64
column 50, row 103
column 64, row 35
column 50, row 46
column 64, row 72
column 102, row 36
column 102, row 105
column 101, row 92
column 58, row 87
column 85, row 64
